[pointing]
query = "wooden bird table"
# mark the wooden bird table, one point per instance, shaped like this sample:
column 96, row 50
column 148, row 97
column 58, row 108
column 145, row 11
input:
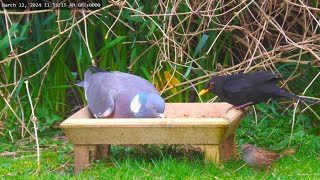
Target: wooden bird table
column 205, row 124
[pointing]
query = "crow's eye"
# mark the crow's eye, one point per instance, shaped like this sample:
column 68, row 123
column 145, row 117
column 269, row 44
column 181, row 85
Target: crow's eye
column 211, row 84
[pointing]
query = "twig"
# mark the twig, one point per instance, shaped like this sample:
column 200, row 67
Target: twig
column 34, row 120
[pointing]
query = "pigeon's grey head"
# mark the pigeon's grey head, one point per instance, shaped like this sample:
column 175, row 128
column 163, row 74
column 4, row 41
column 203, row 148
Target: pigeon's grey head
column 147, row 105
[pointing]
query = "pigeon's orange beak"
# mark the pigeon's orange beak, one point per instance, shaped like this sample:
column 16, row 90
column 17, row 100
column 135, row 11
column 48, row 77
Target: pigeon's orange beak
column 204, row 91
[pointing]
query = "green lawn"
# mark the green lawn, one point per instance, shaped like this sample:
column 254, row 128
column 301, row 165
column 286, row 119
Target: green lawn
column 160, row 162
column 272, row 131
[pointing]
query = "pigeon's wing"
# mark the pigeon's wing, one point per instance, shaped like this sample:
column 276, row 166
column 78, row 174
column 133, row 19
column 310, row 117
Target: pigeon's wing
column 131, row 82
column 243, row 82
column 100, row 96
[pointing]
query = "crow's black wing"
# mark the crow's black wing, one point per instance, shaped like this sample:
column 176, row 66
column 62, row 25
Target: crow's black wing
column 242, row 82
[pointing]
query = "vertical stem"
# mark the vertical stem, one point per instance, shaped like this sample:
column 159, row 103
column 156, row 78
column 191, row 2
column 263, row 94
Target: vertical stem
column 34, row 120
column 86, row 39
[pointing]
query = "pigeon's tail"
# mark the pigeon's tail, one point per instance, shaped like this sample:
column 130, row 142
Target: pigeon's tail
column 90, row 70
column 96, row 69
column 87, row 75
column 289, row 95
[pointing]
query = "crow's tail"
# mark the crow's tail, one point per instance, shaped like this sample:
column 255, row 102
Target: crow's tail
column 293, row 96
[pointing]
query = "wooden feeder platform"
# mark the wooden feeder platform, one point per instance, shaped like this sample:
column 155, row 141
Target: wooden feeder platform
column 210, row 125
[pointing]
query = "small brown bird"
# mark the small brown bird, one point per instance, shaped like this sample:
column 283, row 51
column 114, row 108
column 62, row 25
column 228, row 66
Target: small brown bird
column 259, row 158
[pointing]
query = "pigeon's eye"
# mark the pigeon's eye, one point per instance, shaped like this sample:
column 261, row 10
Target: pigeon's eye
column 211, row 84
column 153, row 107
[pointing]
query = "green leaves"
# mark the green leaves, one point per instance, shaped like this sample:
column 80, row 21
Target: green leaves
column 146, row 73
column 46, row 118
column 14, row 28
column 201, row 44
column 198, row 48
column 17, row 91
column 120, row 39
column 153, row 27
column 49, row 20
column 136, row 18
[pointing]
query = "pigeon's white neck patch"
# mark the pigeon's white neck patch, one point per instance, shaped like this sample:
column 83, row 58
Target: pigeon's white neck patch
column 135, row 104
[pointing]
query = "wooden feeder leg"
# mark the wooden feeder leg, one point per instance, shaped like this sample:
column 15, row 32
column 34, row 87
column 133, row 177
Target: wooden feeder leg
column 81, row 157
column 211, row 153
column 228, row 148
column 103, row 151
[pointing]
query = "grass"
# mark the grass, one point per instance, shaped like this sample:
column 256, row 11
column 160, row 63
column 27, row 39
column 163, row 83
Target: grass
column 271, row 131
column 160, row 162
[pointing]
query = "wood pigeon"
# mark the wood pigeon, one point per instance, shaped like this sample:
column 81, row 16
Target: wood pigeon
column 120, row 95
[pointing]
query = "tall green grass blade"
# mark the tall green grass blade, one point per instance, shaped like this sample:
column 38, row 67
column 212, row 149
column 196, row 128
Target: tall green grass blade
column 135, row 19
column 50, row 19
column 24, row 29
column 198, row 48
column 4, row 43
column 153, row 27
column 188, row 71
column 120, row 39
column 16, row 93
column 13, row 42
column 133, row 54
column 138, row 9
column 59, row 87
column 118, row 59
column 146, row 73
column 143, row 26
column 201, row 44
